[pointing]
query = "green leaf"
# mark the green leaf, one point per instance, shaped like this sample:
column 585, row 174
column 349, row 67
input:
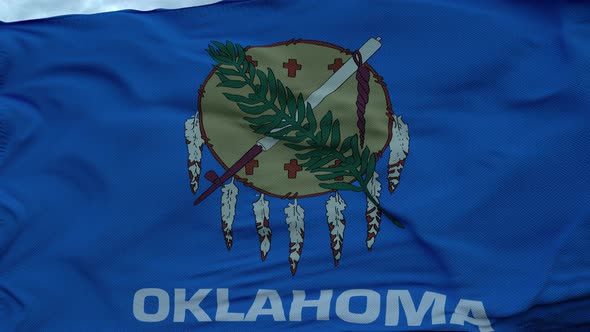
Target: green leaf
column 312, row 160
column 263, row 84
column 346, row 144
column 325, row 126
column 335, row 141
column 232, row 84
column 297, row 147
column 331, row 176
column 325, row 160
column 272, row 86
column 281, row 95
column 310, row 154
column 355, row 148
column 300, row 109
column 291, row 107
column 221, row 48
column 294, row 139
column 211, row 51
column 261, row 119
column 230, row 48
column 310, row 117
column 254, row 110
column 240, row 99
column 214, row 55
column 241, row 53
column 322, row 156
column 267, row 127
column 222, row 77
column 228, row 71
column 301, row 133
column 332, row 169
column 341, row 186
column 252, row 71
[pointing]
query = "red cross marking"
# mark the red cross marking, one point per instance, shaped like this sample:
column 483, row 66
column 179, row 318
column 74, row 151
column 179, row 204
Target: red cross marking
column 292, row 168
column 249, row 59
column 337, row 163
column 250, row 166
column 292, row 67
column 336, row 65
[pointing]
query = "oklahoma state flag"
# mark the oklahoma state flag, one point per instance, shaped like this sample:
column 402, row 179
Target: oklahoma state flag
column 297, row 165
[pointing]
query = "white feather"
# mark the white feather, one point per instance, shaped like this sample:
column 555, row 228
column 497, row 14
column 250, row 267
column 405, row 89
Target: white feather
column 398, row 152
column 373, row 212
column 336, row 224
column 261, row 212
column 229, row 194
column 194, row 142
column 295, row 221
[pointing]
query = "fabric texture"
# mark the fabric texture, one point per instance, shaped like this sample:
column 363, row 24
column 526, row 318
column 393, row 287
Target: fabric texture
column 96, row 204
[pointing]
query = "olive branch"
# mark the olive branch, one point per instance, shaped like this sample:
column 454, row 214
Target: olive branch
column 292, row 121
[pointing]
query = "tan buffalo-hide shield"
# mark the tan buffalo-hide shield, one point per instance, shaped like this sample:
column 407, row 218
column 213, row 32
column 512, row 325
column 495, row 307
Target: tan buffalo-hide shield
column 229, row 136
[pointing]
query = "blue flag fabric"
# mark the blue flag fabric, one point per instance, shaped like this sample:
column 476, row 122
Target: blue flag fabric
column 98, row 115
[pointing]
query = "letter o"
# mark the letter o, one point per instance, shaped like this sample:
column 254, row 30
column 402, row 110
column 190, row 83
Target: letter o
column 139, row 305
column 372, row 309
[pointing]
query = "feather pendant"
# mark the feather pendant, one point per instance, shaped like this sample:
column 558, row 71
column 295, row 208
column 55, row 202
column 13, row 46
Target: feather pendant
column 336, row 224
column 229, row 195
column 295, row 220
column 194, row 142
column 261, row 213
column 373, row 213
column 398, row 151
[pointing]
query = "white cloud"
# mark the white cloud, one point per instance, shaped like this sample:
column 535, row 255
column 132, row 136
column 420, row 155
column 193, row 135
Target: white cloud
column 18, row 10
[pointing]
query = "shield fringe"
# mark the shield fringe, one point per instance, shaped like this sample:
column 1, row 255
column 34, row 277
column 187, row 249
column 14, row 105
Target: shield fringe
column 229, row 194
column 398, row 151
column 261, row 213
column 373, row 213
column 295, row 221
column 194, row 142
column 336, row 224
